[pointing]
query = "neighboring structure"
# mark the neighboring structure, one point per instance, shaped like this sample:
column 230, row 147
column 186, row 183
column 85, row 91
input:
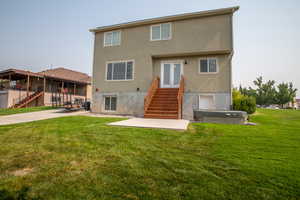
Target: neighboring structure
column 19, row 88
column 164, row 67
column 297, row 102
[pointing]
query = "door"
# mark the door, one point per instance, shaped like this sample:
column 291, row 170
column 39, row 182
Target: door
column 170, row 74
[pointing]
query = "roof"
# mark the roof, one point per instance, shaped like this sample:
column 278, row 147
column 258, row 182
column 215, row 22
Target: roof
column 192, row 15
column 57, row 73
column 19, row 71
column 67, row 74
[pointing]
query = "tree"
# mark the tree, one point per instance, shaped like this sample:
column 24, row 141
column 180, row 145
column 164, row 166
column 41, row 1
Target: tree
column 265, row 92
column 285, row 94
column 247, row 91
column 243, row 102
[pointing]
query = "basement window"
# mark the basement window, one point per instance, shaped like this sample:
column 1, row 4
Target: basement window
column 110, row 103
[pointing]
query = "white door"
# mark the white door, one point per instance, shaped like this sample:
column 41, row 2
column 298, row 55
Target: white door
column 170, row 74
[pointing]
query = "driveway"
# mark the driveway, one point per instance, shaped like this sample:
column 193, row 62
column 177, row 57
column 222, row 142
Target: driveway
column 34, row 116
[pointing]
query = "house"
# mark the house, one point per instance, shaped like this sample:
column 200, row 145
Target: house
column 19, row 88
column 164, row 67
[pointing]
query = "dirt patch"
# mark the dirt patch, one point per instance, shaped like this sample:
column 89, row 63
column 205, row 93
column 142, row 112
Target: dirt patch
column 22, row 172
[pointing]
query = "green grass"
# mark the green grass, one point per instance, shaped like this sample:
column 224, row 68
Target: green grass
column 83, row 158
column 11, row 111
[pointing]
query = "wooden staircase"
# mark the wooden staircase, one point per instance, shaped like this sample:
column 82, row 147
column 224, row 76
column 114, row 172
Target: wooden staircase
column 24, row 102
column 164, row 103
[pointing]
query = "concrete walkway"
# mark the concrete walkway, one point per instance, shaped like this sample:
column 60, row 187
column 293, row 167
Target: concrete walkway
column 153, row 123
column 34, row 116
column 133, row 122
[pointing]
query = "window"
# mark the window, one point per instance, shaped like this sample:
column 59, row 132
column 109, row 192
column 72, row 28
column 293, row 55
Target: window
column 122, row 70
column 161, row 32
column 110, row 103
column 207, row 102
column 112, row 38
column 208, row 65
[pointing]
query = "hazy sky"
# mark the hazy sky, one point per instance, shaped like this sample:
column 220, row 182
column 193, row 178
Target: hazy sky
column 35, row 34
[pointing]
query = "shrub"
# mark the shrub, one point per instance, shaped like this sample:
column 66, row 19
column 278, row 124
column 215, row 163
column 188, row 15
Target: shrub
column 243, row 103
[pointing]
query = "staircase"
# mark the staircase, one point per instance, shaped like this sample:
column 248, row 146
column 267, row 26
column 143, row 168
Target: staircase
column 27, row 100
column 164, row 103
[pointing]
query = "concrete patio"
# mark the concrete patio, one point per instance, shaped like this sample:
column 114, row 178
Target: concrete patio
column 153, row 123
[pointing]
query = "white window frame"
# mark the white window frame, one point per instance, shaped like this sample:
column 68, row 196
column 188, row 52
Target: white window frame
column 110, row 95
column 207, row 58
column 112, row 62
column 181, row 62
column 160, row 32
column 207, row 94
column 110, row 45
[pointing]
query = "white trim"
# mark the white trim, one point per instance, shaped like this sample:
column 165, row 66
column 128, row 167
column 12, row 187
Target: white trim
column 104, row 38
column 161, row 32
column 118, row 61
column 171, row 62
column 207, row 58
column 207, row 94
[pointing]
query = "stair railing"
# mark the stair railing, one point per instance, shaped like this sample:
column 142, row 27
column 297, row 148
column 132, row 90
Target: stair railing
column 151, row 91
column 19, row 99
column 180, row 97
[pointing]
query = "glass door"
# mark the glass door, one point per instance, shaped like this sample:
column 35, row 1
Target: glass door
column 170, row 74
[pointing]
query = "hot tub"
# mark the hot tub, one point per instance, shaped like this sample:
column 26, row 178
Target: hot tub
column 220, row 117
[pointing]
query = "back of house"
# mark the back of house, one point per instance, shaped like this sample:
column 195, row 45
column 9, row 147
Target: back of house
column 164, row 67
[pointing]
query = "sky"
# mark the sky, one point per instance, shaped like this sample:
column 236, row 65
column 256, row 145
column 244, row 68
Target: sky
column 37, row 35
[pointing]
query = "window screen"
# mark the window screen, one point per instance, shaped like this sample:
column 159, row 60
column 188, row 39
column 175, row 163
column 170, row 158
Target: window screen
column 208, row 65
column 112, row 38
column 161, row 32
column 165, row 31
column 111, row 103
column 120, row 70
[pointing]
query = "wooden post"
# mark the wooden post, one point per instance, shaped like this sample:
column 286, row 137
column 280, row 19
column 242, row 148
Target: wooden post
column 44, row 90
column 51, row 88
column 27, row 90
column 9, row 78
column 74, row 88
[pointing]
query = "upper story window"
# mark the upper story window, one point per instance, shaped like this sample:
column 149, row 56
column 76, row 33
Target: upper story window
column 112, row 38
column 208, row 65
column 161, row 32
column 121, row 70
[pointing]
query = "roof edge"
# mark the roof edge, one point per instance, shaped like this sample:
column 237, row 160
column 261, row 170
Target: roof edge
column 184, row 16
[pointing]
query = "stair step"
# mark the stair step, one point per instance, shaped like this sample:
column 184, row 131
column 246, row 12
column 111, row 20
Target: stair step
column 162, row 112
column 161, row 116
column 163, row 108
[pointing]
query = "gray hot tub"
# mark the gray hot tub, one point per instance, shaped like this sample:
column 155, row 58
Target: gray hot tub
column 220, row 117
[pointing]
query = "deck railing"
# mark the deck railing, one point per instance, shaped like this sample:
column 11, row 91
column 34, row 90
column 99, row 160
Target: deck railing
column 180, row 97
column 154, row 86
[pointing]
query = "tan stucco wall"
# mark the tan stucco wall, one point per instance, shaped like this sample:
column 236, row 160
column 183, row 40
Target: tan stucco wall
column 194, row 35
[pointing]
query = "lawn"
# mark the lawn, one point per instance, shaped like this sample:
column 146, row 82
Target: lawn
column 81, row 157
column 10, row 111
